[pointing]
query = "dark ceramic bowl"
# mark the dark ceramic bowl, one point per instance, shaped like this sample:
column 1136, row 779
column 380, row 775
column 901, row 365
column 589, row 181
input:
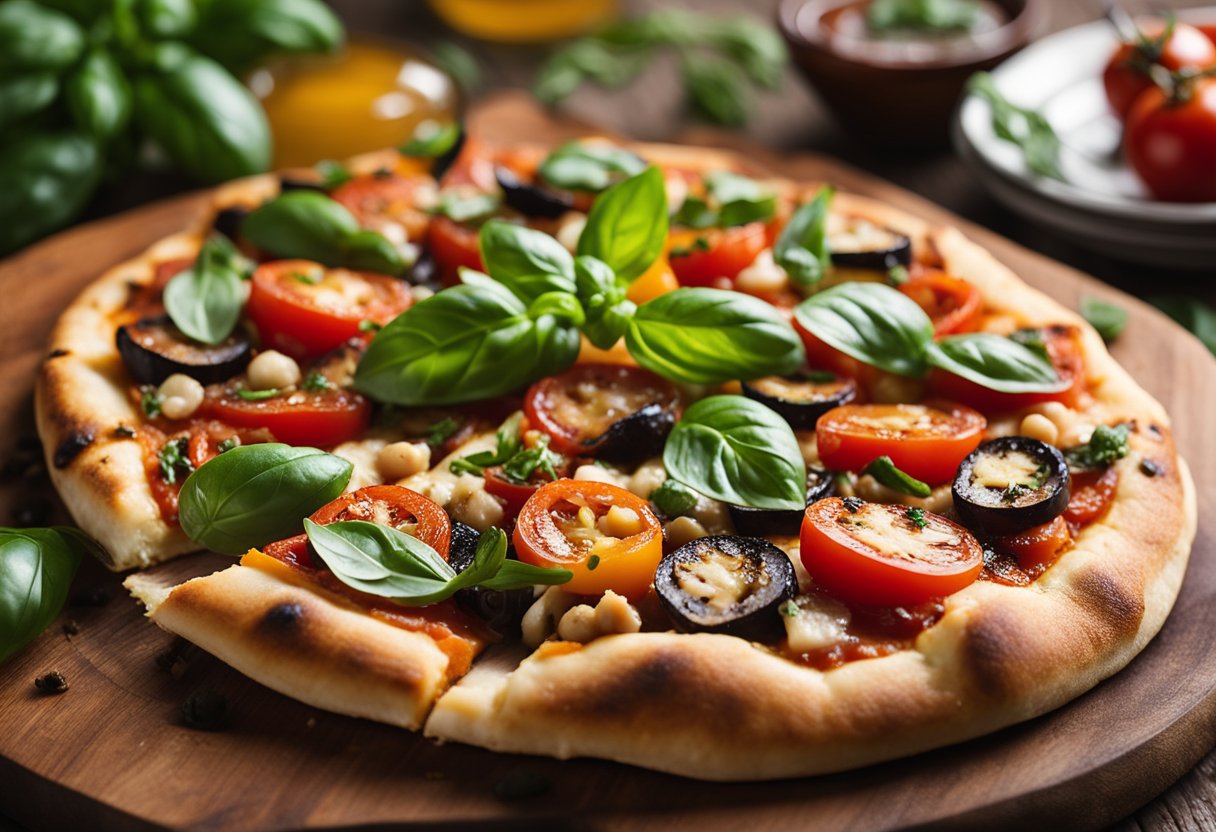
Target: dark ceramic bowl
column 883, row 95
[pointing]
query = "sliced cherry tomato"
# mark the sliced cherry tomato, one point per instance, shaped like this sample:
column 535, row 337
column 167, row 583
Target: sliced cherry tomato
column 381, row 202
column 658, row 280
column 609, row 537
column 580, row 405
column 1171, row 145
column 925, row 442
column 871, row 553
column 1126, row 74
column 203, row 438
column 1037, row 548
column 711, row 256
column 321, row 418
column 953, row 304
column 453, row 245
column 1092, row 493
column 822, row 356
column 304, row 309
column 1065, row 351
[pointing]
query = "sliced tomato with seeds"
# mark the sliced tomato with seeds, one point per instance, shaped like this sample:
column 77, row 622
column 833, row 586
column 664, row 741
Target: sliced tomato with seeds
column 609, row 537
column 925, row 442
column 1092, row 493
column 320, row 418
column 711, row 256
column 1037, row 548
column 304, row 309
column 382, row 201
column 454, row 246
column 871, row 553
column 953, row 304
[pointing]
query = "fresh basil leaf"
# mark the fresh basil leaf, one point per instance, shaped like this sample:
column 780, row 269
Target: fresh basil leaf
column 528, row 262
column 333, row 174
column 508, row 445
column 166, row 18
column 716, row 88
column 997, row 363
column 514, row 574
column 254, row 494
column 205, row 301
column 627, row 226
column 591, row 166
column 370, row 251
column 737, row 450
column 588, row 59
column 935, row 15
column 1106, row 446
column 25, row 94
column 883, row 469
column 464, row 344
column 802, row 247
column 608, row 310
column 459, row 64
column 36, row 571
column 695, row 212
column 561, row 305
column 741, row 200
column 593, row 277
column 1108, row 318
column 33, row 37
column 467, row 208
column 673, row 499
column 311, row 226
column 1195, row 315
column 431, row 140
column 240, row 33
column 755, row 45
column 709, row 336
column 98, row 95
column 45, row 180
column 871, row 322
column 1027, row 129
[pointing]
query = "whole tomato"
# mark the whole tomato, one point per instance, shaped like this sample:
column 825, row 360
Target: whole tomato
column 1170, row 142
column 1126, row 74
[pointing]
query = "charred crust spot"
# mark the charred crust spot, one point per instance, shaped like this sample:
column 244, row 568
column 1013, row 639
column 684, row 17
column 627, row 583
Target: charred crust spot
column 653, row 678
column 1109, row 601
column 57, row 353
column 281, row 617
column 990, row 648
column 70, row 448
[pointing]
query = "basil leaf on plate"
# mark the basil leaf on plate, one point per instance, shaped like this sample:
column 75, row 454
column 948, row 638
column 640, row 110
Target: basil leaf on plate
column 36, row 571
column 466, row 343
column 737, row 450
column 627, row 226
column 708, row 336
column 589, row 166
column 883, row 469
column 802, row 247
column 997, row 363
column 871, row 322
column 254, row 494
column 526, row 261
column 205, row 301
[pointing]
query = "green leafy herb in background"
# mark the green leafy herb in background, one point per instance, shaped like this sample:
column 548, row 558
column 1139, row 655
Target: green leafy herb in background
column 888, row 15
column 1027, row 129
column 1108, row 318
column 1195, row 315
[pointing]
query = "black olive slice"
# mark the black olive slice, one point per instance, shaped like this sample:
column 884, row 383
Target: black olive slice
column 1011, row 484
column 228, row 222
column 640, row 435
column 801, row 399
column 726, row 584
column 531, row 200
column 748, row 520
column 154, row 349
column 501, row 610
column 863, row 245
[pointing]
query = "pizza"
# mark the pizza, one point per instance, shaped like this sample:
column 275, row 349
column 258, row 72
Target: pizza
column 635, row 452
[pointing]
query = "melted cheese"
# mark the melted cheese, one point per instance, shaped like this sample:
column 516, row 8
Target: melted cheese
column 1003, row 470
column 893, row 536
column 720, row 580
column 820, row 622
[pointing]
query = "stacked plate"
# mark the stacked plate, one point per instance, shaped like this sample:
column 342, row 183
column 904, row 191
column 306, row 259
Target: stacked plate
column 1101, row 205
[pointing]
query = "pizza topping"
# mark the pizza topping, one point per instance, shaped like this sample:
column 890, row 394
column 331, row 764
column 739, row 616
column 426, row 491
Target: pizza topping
column 860, row 244
column 1093, row 491
column 531, row 200
column 179, row 396
column 1036, row 548
column 878, row 554
column 608, row 537
column 715, row 256
column 611, row 411
column 1106, row 446
column 802, row 398
column 814, row 622
column 502, row 610
column 271, row 370
column 154, row 349
column 726, row 584
column 1010, row 484
column 747, row 520
column 613, row 614
column 388, row 204
column 953, row 304
column 398, row 460
column 961, row 376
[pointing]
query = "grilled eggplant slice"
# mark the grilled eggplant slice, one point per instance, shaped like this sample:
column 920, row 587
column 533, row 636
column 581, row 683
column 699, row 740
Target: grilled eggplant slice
column 1011, row 484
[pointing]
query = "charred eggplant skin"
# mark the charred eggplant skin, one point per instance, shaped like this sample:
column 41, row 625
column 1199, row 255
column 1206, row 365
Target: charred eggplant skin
column 154, row 349
column 640, row 435
column 898, row 253
column 228, row 221
column 1040, row 498
column 756, row 615
column 751, row 521
column 501, row 610
column 531, row 200
column 802, row 415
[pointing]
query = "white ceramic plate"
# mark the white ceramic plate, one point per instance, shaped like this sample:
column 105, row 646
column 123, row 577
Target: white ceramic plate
column 1101, row 205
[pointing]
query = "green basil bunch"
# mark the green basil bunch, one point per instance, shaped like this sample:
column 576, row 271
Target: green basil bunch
column 524, row 320
column 82, row 83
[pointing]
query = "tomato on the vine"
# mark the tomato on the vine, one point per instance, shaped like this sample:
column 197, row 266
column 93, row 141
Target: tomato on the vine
column 1126, row 75
column 1170, row 141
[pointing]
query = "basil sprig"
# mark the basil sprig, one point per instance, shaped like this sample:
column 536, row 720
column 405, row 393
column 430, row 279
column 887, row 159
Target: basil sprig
column 881, row 326
column 802, row 247
column 733, row 200
column 205, row 301
column 36, row 571
column 312, row 226
column 387, row 563
column 589, row 166
column 884, row 470
column 528, row 262
column 737, row 450
column 627, row 226
column 254, row 494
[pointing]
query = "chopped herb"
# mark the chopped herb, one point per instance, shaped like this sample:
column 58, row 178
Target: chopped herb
column 897, row 275
column 368, row 325
column 509, row 445
column 149, row 401
column 1025, row 128
column 311, row 278
column 1017, row 489
column 937, row 15
column 228, row 444
column 205, row 710
column 699, row 244
column 853, row 504
column 333, row 174
column 258, row 395
column 1106, row 446
column 174, row 458
column 53, row 682
column 883, row 469
column 442, row 431
column 593, row 563
column 917, row 516
column 123, row 432
column 1108, row 318
column 789, row 609
column 315, row 382
column 733, row 200
column 521, row 467
column 673, row 499
column 1149, row 468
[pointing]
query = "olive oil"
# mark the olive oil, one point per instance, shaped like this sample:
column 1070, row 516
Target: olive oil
column 524, row 21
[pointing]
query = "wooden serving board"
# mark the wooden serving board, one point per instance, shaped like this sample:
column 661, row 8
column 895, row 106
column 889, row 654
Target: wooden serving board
column 111, row 753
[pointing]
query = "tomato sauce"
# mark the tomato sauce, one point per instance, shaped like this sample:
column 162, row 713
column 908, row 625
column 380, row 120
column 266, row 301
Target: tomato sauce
column 873, row 632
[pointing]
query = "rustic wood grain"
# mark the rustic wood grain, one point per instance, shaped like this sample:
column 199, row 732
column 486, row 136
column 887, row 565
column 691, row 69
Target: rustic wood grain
column 111, row 753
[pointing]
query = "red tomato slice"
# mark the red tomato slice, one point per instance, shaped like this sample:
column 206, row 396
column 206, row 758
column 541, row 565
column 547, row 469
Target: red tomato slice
column 1065, row 351
column 303, row 309
column 720, row 255
column 1037, row 549
column 380, row 201
column 953, row 304
column 1092, row 493
column 322, row 418
column 579, row 405
column 453, row 245
column 822, row 356
column 925, row 442
column 617, row 550
column 871, row 553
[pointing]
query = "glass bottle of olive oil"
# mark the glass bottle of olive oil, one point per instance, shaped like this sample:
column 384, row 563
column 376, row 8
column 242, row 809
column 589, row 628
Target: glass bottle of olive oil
column 524, row 21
